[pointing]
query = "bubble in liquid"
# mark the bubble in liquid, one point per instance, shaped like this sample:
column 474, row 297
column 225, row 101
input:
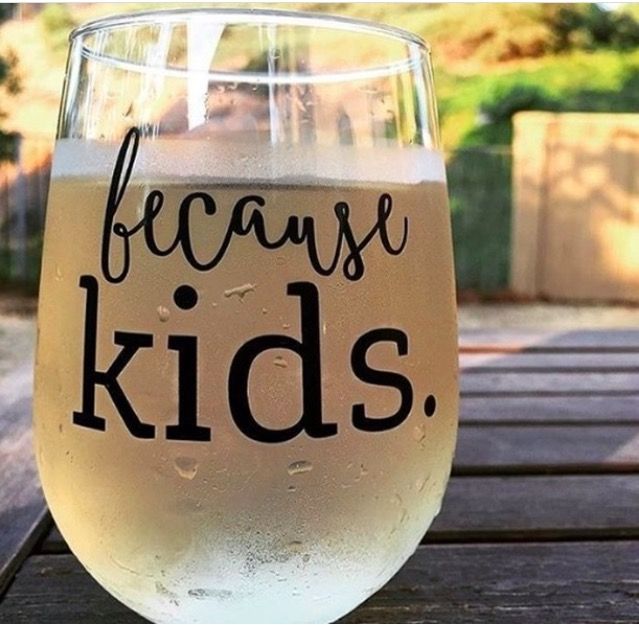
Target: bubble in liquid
column 163, row 313
column 278, row 361
column 58, row 273
column 264, row 311
column 291, row 488
column 301, row 466
column 286, row 326
column 186, row 467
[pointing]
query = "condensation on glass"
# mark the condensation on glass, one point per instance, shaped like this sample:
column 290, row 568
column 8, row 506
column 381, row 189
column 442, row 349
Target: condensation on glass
column 245, row 403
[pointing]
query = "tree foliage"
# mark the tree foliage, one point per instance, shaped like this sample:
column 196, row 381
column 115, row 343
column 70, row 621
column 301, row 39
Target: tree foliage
column 591, row 26
column 57, row 22
column 9, row 85
column 497, row 33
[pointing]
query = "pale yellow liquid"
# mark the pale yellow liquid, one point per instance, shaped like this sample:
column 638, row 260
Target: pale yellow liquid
column 234, row 530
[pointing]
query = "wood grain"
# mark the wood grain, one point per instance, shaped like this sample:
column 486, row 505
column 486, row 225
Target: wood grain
column 511, row 582
column 515, row 339
column 540, row 362
column 57, row 589
column 508, row 449
column 585, row 582
column 555, row 383
column 22, row 509
column 557, row 409
column 538, row 508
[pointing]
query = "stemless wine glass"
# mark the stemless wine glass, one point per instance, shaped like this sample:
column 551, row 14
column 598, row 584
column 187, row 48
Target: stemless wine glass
column 246, row 378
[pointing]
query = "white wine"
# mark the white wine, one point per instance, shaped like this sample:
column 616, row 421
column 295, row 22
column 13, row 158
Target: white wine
column 246, row 389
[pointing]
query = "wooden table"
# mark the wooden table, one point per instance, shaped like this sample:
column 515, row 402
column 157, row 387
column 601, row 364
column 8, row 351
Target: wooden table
column 540, row 522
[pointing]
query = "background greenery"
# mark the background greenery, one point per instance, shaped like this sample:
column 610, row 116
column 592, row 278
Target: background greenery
column 491, row 61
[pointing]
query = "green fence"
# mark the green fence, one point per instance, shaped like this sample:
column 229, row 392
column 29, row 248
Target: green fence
column 479, row 182
column 479, row 185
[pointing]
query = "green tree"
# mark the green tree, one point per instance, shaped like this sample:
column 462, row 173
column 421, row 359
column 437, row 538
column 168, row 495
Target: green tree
column 589, row 26
column 9, row 85
column 57, row 22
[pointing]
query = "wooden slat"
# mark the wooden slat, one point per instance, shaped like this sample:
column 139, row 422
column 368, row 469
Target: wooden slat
column 558, row 409
column 540, row 362
column 508, row 339
column 546, row 449
column 582, row 582
column 523, row 582
column 538, row 507
column 557, row 383
column 22, row 510
column 520, row 508
column 57, row 589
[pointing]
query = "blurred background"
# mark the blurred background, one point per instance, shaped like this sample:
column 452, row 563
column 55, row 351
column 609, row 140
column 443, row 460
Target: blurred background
column 536, row 106
column 539, row 115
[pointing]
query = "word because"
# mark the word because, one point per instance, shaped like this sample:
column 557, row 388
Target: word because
column 246, row 219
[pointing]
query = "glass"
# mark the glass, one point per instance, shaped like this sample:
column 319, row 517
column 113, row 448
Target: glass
column 246, row 377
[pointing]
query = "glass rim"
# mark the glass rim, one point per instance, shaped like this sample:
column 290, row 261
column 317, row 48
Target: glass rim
column 243, row 16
